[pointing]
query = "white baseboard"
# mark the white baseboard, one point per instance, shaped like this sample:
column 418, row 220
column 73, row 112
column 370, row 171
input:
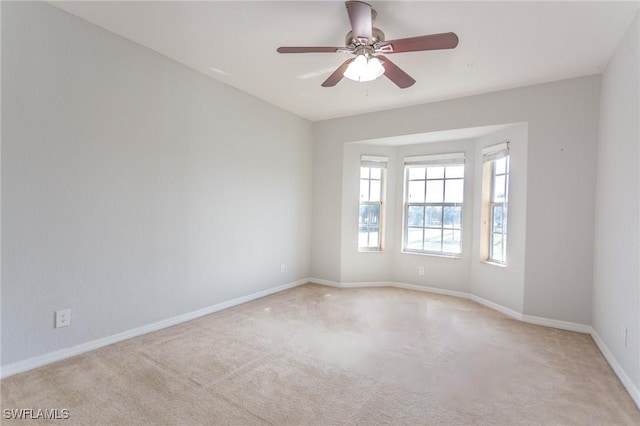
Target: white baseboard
column 48, row 358
column 428, row 289
column 396, row 284
column 613, row 362
column 563, row 325
column 496, row 307
column 360, row 284
column 324, row 282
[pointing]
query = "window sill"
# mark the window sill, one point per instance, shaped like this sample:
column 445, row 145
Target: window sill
column 488, row 262
column 445, row 255
column 361, row 250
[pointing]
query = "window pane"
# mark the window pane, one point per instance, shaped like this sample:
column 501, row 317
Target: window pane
column 496, row 248
column 369, row 226
column 416, row 191
column 504, row 218
column 433, row 239
column 435, row 172
column 363, row 238
column 454, row 191
column 370, row 209
column 498, row 192
column 416, row 173
column 453, row 217
column 498, row 209
column 364, row 190
column 506, row 188
column 414, row 239
column 451, row 241
column 374, row 194
column 364, row 217
column 434, row 191
column 503, row 253
column 374, row 215
column 434, row 216
column 415, row 216
column 455, row 172
column 497, row 219
column 433, row 186
column 373, row 238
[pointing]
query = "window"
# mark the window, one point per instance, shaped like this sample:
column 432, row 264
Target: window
column 434, row 193
column 372, row 182
column 495, row 200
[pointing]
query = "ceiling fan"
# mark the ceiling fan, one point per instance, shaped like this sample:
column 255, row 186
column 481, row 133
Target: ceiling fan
column 368, row 45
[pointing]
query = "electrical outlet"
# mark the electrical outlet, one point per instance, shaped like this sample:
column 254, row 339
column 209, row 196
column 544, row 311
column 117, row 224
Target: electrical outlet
column 420, row 270
column 63, row 318
column 283, row 268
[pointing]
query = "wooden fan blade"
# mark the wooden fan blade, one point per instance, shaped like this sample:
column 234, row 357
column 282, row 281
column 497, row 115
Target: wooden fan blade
column 337, row 74
column 360, row 17
column 308, row 49
column 415, row 44
column 395, row 74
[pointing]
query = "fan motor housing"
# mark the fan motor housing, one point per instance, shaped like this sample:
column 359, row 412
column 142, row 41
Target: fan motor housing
column 377, row 36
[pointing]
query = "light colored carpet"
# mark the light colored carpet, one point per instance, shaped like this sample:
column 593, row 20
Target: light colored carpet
column 316, row 355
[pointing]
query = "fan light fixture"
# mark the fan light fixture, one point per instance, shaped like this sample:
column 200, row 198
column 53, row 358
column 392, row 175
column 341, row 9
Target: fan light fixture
column 364, row 68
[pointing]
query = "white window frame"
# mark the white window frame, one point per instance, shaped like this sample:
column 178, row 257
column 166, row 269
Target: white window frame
column 489, row 157
column 439, row 160
column 373, row 162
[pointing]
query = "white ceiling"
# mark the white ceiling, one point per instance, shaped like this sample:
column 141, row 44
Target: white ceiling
column 502, row 45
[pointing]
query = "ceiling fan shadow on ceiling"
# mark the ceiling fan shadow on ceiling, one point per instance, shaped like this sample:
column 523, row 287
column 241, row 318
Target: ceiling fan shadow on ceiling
column 368, row 45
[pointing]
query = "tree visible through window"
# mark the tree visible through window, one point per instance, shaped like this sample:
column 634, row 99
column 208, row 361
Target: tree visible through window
column 434, row 194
